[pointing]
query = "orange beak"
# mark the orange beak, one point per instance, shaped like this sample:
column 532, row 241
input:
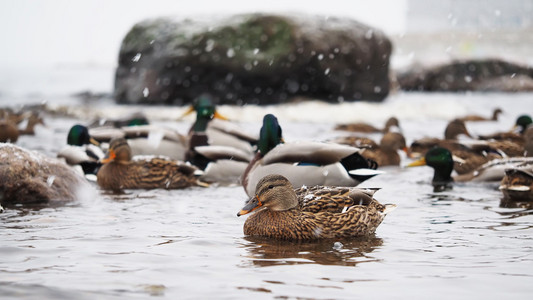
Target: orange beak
column 219, row 116
column 418, row 163
column 110, row 157
column 187, row 112
column 252, row 205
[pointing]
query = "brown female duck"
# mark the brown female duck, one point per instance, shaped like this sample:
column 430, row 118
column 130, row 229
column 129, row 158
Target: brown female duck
column 384, row 154
column 477, row 118
column 517, row 184
column 121, row 172
column 9, row 132
column 311, row 213
column 467, row 154
column 367, row 128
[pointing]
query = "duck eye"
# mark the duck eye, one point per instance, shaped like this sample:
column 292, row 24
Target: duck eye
column 270, row 187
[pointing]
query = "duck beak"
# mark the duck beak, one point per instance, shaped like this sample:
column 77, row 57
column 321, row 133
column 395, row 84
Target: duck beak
column 219, row 116
column 109, row 157
column 94, row 142
column 252, row 205
column 188, row 112
column 418, row 163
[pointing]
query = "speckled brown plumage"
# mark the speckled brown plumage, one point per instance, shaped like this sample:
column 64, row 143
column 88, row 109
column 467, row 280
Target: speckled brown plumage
column 124, row 173
column 517, row 184
column 9, row 132
column 384, row 154
column 311, row 213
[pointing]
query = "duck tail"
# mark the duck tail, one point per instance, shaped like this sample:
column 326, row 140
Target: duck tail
column 357, row 161
column 388, row 208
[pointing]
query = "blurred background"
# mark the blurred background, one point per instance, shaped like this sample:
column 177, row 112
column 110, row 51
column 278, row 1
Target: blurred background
column 54, row 48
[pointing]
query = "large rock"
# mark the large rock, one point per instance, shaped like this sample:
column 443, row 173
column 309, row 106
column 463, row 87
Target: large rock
column 252, row 58
column 469, row 75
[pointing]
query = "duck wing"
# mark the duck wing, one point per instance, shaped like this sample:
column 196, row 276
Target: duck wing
column 308, row 152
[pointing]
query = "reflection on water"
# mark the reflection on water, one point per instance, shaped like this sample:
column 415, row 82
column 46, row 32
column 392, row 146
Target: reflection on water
column 526, row 205
column 265, row 252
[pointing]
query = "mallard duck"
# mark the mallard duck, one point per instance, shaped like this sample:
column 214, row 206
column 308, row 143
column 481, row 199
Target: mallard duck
column 454, row 129
column 440, row 159
column 517, row 184
column 476, row 118
column 135, row 119
column 305, row 163
column 121, row 172
column 384, row 154
column 211, row 128
column 29, row 177
column 515, row 135
column 468, row 154
column 311, row 213
column 367, row 128
column 146, row 139
column 217, row 146
column 82, row 151
column 9, row 131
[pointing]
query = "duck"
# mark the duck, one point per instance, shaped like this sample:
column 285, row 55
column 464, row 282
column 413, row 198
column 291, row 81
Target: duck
column 384, row 154
column 135, row 119
column 391, row 123
column 477, row 118
column 319, row 212
column 217, row 146
column 454, row 130
column 305, row 162
column 468, row 154
column 212, row 128
column 119, row 171
column 515, row 135
column 441, row 160
column 146, row 139
column 9, row 131
column 82, row 152
column 517, row 184
column 29, row 177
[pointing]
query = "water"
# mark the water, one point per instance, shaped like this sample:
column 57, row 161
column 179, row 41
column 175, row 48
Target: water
column 185, row 244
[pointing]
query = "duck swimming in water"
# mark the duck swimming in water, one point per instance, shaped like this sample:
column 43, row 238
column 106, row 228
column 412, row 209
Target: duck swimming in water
column 305, row 163
column 318, row 212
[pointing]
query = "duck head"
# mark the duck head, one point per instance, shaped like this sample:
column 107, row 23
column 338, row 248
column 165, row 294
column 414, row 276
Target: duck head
column 205, row 111
column 392, row 124
column 496, row 113
column 454, row 129
column 274, row 192
column 522, row 122
column 270, row 134
column 441, row 160
column 78, row 135
column 393, row 141
column 119, row 151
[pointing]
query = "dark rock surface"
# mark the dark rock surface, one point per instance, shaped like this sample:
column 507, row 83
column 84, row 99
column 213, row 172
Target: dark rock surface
column 28, row 177
column 469, row 75
column 253, row 58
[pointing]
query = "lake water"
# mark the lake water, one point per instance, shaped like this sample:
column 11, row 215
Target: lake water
column 185, row 244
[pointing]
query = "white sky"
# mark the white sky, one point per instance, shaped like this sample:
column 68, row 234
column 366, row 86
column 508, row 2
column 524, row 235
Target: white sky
column 81, row 32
